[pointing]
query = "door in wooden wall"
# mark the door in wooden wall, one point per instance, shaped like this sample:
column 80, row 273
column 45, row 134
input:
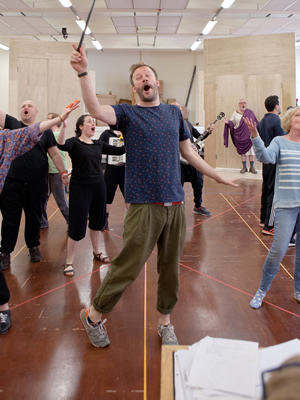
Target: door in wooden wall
column 229, row 90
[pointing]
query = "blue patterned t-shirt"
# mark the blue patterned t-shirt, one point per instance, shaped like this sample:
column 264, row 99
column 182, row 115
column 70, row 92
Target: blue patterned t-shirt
column 151, row 137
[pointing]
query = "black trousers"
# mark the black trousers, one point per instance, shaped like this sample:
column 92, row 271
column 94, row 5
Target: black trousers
column 4, row 291
column 86, row 204
column 190, row 174
column 114, row 176
column 267, row 193
column 15, row 197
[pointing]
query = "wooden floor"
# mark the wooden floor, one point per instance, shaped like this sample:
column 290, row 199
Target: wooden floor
column 47, row 356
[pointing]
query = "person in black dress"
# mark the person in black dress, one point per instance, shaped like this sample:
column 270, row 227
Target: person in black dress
column 87, row 198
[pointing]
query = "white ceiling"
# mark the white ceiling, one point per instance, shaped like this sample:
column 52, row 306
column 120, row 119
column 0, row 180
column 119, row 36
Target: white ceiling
column 146, row 24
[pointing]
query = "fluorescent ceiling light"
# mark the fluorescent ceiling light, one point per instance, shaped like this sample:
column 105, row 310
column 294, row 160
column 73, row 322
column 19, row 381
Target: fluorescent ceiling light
column 65, row 3
column 195, row 45
column 227, row 3
column 81, row 24
column 3, row 47
column 209, row 27
column 97, row 44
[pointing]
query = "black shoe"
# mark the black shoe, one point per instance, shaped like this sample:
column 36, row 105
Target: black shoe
column 5, row 321
column 4, row 261
column 35, row 254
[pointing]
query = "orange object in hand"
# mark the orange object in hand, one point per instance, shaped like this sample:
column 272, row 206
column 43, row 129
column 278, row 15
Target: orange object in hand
column 72, row 104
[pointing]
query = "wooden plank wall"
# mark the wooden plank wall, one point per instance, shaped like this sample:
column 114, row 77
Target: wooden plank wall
column 251, row 67
column 41, row 71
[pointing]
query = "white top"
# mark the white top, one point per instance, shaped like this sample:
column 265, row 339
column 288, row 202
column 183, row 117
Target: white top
column 236, row 118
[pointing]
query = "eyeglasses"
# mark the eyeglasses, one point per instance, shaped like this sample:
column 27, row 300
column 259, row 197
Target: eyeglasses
column 266, row 375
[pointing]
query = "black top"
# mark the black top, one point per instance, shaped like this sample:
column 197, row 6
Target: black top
column 108, row 133
column 193, row 131
column 270, row 127
column 86, row 159
column 105, row 135
column 33, row 165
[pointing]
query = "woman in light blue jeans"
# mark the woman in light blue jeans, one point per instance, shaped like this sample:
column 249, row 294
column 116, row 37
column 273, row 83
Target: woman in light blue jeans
column 284, row 151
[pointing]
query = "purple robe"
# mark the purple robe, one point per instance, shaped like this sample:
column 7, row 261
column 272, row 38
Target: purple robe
column 241, row 135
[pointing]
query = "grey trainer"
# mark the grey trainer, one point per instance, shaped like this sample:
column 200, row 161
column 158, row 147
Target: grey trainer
column 202, row 211
column 96, row 333
column 167, row 334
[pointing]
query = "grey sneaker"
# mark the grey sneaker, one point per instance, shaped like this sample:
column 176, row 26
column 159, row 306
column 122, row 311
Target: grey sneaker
column 4, row 261
column 243, row 170
column 96, row 333
column 167, row 334
column 202, row 211
column 35, row 254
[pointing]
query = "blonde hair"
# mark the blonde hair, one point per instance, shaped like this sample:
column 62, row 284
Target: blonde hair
column 287, row 118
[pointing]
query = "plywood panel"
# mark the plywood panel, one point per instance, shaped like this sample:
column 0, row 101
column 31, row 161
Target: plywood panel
column 63, row 88
column 32, row 83
column 230, row 89
column 259, row 87
column 256, row 58
column 201, row 113
column 210, row 142
column 26, row 56
column 250, row 55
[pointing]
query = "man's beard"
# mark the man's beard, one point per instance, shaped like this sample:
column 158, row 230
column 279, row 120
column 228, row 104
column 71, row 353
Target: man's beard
column 140, row 93
column 26, row 116
column 28, row 119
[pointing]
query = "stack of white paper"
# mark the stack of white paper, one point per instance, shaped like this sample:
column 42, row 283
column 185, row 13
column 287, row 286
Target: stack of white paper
column 224, row 369
column 218, row 367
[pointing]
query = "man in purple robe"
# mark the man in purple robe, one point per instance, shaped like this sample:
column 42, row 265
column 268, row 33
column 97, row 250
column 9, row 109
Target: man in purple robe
column 240, row 135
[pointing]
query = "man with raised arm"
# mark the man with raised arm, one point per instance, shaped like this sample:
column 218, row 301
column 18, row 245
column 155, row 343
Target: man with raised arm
column 14, row 143
column 26, row 187
column 153, row 135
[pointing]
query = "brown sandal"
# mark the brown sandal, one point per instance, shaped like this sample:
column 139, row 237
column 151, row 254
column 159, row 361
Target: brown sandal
column 69, row 270
column 101, row 257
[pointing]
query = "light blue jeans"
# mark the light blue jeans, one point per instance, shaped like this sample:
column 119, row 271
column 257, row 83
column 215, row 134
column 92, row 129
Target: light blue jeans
column 285, row 221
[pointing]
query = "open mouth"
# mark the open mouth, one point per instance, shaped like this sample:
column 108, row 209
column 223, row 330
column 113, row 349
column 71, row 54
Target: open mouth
column 147, row 88
column 25, row 112
column 93, row 129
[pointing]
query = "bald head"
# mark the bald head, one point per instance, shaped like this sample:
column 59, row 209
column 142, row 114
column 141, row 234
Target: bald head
column 28, row 112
